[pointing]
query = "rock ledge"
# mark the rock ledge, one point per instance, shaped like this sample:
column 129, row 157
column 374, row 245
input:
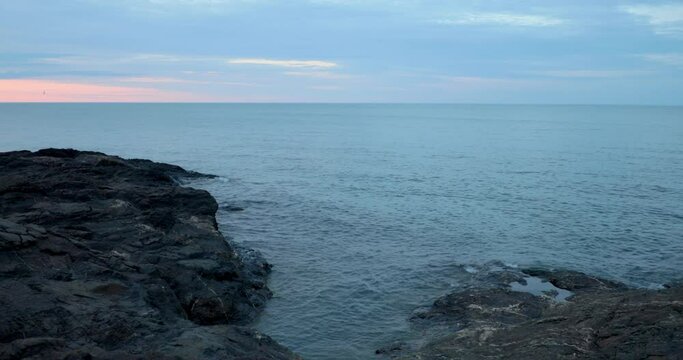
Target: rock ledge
column 107, row 258
column 601, row 319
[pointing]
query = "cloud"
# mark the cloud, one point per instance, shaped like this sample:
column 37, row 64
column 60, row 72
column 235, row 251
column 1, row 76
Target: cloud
column 386, row 4
column 154, row 80
column 592, row 74
column 675, row 59
column 169, row 7
column 327, row 88
column 170, row 80
column 465, row 83
column 192, row 2
column 665, row 19
column 501, row 19
column 33, row 90
column 127, row 59
column 317, row 74
column 284, row 63
column 181, row 59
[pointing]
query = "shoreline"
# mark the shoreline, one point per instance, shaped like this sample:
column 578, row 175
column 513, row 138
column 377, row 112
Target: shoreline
column 108, row 258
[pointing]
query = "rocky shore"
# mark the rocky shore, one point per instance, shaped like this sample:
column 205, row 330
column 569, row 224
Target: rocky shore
column 107, row 258
column 508, row 313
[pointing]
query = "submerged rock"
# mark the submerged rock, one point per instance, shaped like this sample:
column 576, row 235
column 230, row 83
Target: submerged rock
column 102, row 257
column 601, row 319
column 232, row 208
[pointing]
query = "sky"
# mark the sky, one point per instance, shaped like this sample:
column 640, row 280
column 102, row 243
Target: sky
column 444, row 51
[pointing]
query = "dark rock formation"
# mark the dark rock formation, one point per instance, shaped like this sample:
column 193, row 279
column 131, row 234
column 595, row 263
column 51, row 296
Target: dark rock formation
column 102, row 257
column 601, row 320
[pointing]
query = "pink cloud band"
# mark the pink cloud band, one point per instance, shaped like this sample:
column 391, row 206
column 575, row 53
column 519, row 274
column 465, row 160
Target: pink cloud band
column 33, row 90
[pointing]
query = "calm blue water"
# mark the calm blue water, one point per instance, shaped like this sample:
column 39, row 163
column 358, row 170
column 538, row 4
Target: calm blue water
column 365, row 209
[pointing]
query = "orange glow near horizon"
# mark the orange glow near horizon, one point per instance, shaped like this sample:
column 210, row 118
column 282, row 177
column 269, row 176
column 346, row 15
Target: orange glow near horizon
column 33, row 90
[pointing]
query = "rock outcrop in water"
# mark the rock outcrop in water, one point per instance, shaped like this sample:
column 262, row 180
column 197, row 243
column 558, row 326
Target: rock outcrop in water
column 600, row 320
column 107, row 258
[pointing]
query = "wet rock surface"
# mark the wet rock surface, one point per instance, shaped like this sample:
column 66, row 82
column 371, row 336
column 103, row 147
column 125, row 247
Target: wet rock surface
column 601, row 319
column 107, row 258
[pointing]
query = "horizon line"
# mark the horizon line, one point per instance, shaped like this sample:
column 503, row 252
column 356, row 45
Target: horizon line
column 317, row 103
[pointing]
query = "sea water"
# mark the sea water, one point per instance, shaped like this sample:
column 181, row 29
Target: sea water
column 368, row 211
